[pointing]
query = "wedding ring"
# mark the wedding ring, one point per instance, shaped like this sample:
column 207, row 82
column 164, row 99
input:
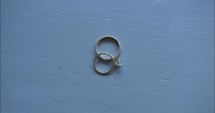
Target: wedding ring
column 112, row 65
column 113, row 39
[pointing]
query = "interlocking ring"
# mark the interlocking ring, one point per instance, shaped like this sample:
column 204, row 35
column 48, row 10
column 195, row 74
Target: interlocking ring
column 112, row 39
column 114, row 59
column 106, row 72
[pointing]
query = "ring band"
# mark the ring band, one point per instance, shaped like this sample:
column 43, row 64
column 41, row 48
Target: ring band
column 106, row 72
column 110, row 38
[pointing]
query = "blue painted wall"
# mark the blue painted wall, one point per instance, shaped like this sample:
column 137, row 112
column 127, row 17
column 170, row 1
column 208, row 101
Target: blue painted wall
column 47, row 49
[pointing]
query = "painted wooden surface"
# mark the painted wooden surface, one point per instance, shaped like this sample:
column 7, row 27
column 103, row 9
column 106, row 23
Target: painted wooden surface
column 47, row 49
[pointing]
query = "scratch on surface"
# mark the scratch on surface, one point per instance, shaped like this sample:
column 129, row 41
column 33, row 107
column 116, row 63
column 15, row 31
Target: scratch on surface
column 117, row 87
column 165, row 79
column 25, row 55
column 56, row 99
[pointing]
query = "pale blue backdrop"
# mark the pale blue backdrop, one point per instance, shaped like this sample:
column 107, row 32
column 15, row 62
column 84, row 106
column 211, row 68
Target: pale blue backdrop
column 47, row 49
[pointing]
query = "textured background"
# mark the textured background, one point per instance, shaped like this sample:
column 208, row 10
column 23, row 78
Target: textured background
column 47, row 48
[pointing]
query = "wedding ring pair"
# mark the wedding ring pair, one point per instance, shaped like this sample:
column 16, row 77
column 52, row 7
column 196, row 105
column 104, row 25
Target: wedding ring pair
column 113, row 59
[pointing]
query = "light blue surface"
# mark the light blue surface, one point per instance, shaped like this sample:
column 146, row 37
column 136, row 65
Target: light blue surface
column 47, row 49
